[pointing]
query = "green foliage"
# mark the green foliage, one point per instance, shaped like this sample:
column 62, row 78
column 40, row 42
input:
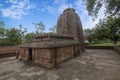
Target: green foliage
column 4, row 42
column 100, row 31
column 103, row 44
column 89, row 35
column 119, row 45
column 86, row 43
column 40, row 28
column 109, row 29
column 112, row 7
column 29, row 37
column 15, row 36
column 106, row 30
column 2, row 29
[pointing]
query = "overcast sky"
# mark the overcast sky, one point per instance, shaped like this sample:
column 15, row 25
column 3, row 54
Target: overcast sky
column 25, row 12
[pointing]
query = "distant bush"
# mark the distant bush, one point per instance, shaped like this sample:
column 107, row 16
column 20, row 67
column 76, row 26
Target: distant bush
column 118, row 45
column 5, row 44
column 86, row 43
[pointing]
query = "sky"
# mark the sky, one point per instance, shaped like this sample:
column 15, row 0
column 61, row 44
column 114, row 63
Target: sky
column 26, row 12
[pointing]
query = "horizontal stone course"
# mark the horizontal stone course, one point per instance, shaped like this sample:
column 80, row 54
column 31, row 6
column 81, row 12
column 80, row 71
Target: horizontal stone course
column 7, row 51
column 8, row 48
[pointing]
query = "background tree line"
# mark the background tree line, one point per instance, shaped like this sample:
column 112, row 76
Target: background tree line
column 106, row 29
column 15, row 36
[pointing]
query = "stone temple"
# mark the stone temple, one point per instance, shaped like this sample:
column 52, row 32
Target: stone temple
column 49, row 50
column 69, row 24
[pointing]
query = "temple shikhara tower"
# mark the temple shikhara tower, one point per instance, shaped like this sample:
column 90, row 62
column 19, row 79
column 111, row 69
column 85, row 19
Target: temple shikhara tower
column 69, row 23
column 48, row 50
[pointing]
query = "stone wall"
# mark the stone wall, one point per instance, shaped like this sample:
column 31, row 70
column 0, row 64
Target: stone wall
column 49, row 57
column 6, row 51
column 44, row 57
column 24, row 54
column 8, row 48
column 64, row 53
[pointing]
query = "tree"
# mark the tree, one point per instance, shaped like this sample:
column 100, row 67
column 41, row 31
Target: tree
column 53, row 29
column 89, row 35
column 2, row 29
column 109, row 29
column 40, row 27
column 29, row 37
column 99, row 30
column 15, row 36
column 112, row 7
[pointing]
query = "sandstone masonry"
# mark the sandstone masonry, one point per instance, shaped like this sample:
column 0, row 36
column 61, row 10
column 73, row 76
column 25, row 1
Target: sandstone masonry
column 48, row 50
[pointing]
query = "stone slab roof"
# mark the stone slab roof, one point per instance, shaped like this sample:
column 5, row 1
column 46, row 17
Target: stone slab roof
column 51, row 41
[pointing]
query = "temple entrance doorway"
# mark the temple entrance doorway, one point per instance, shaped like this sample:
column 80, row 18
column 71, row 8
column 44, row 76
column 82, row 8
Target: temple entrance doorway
column 30, row 54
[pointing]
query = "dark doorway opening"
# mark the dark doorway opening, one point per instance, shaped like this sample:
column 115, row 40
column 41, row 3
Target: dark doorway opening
column 75, row 51
column 30, row 54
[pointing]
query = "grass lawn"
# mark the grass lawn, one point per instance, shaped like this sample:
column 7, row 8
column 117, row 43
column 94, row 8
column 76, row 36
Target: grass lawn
column 104, row 44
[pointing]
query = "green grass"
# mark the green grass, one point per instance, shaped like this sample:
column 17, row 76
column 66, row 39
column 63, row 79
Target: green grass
column 104, row 44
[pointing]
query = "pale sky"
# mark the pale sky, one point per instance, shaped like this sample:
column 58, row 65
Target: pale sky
column 25, row 12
